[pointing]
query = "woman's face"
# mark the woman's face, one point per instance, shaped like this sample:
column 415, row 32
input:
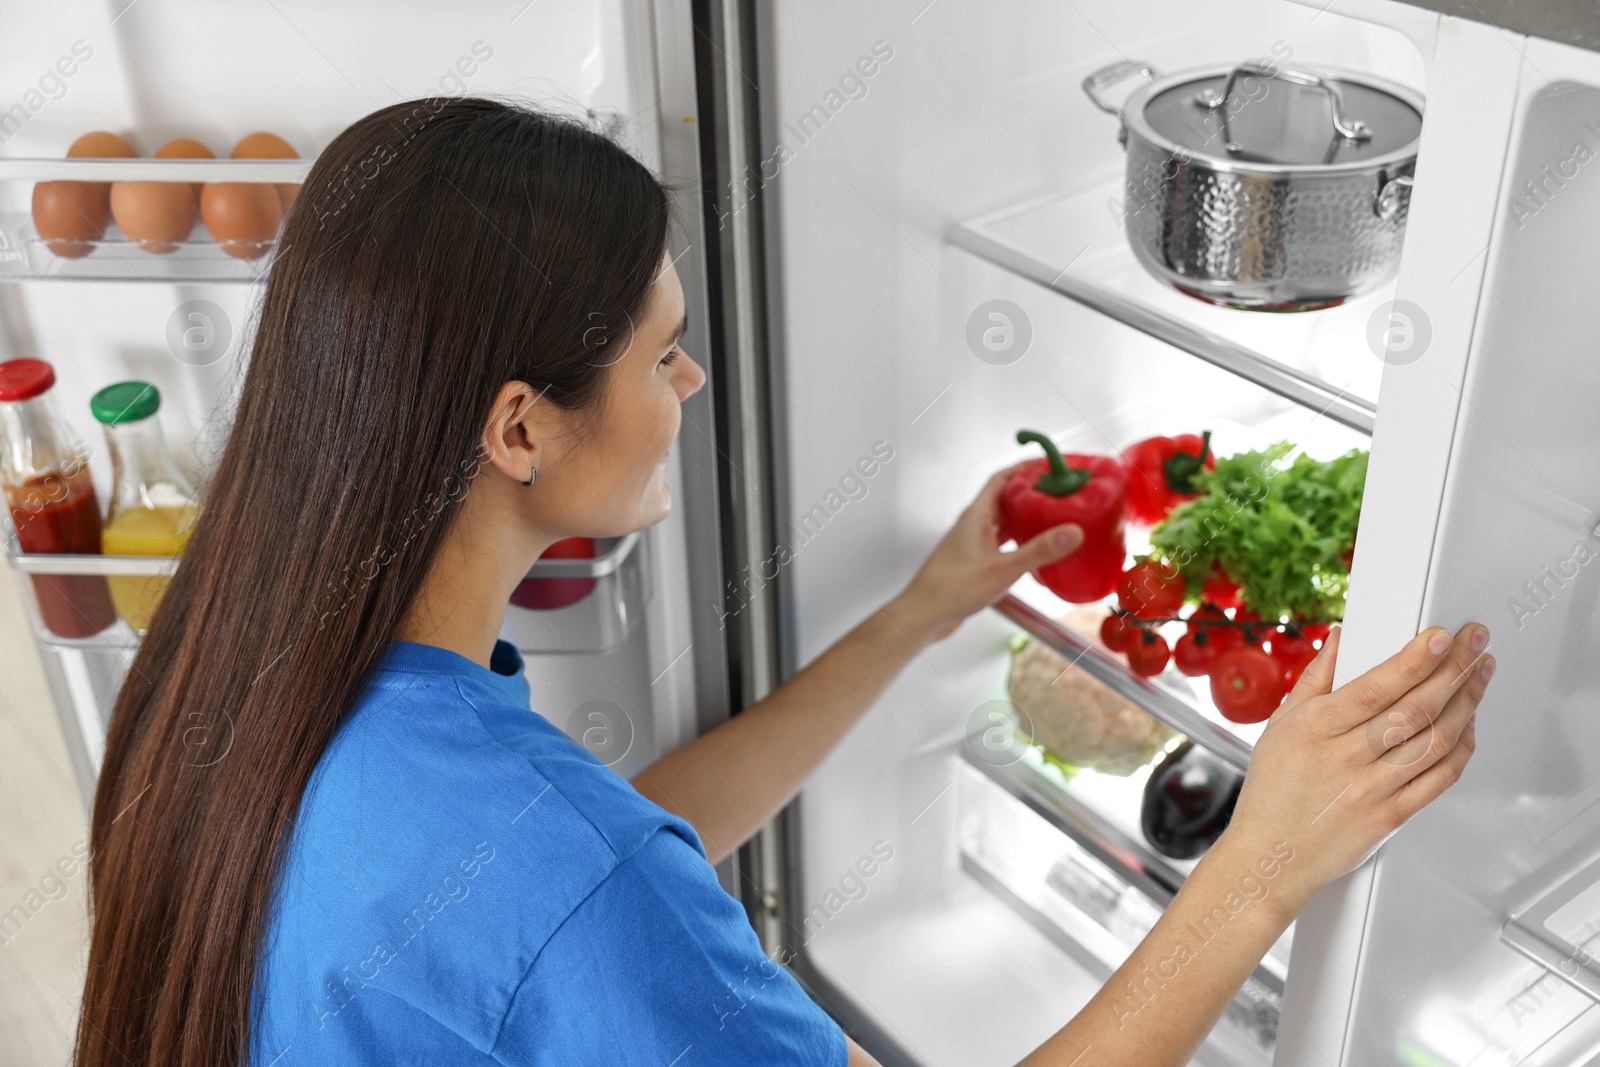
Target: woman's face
column 612, row 480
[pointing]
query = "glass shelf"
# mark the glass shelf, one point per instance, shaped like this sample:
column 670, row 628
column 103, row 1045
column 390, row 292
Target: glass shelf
column 1100, row 814
column 1073, row 245
column 1070, row 873
column 1166, row 702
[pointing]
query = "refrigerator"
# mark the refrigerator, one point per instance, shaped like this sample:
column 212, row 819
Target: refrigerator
column 865, row 185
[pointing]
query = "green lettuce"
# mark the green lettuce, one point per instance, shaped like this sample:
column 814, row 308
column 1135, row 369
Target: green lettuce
column 1278, row 526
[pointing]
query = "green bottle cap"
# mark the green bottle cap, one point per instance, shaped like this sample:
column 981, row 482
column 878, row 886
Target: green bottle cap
column 125, row 402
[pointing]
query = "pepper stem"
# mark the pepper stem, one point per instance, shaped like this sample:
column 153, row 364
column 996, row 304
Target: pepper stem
column 1181, row 467
column 1060, row 479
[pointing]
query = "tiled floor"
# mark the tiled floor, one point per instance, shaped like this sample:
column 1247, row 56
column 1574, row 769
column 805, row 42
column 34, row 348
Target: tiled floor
column 43, row 922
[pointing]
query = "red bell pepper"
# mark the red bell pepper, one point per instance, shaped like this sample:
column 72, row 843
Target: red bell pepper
column 1086, row 490
column 1161, row 473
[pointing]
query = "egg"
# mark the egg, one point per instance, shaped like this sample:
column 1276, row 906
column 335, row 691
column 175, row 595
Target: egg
column 156, row 214
column 185, row 148
column 78, row 211
column 242, row 216
column 269, row 146
column 100, row 145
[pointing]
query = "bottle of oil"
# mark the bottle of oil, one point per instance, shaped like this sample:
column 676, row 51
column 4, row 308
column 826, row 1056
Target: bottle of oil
column 153, row 506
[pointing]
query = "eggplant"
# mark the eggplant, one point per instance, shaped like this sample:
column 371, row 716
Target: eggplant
column 1188, row 801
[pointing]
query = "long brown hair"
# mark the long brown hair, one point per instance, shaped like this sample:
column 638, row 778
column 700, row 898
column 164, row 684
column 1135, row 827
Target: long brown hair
column 437, row 249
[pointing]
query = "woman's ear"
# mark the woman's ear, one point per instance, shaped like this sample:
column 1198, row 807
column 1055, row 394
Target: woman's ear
column 521, row 426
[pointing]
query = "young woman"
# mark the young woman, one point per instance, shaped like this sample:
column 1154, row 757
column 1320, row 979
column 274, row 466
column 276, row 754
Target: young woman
column 329, row 830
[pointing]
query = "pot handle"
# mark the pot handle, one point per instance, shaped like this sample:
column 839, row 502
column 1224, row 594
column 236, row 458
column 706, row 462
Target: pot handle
column 1387, row 202
column 1348, row 128
column 1108, row 76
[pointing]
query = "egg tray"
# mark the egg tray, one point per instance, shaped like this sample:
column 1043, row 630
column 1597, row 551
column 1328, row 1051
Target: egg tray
column 24, row 254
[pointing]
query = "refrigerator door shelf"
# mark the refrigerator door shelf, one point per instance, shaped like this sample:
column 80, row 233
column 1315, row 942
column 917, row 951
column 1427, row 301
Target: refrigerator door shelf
column 79, row 579
column 603, row 618
column 155, row 170
column 24, row 255
column 1061, row 884
column 1075, row 245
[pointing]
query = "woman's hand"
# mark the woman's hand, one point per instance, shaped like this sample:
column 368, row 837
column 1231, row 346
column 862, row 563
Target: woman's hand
column 967, row 571
column 1338, row 770
column 1334, row 773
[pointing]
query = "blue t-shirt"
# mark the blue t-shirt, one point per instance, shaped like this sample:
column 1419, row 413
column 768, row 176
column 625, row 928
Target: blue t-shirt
column 466, row 885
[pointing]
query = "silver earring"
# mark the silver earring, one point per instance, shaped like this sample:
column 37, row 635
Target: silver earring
column 532, row 473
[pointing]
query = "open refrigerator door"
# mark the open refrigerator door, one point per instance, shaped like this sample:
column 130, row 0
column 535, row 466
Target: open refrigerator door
column 1470, row 939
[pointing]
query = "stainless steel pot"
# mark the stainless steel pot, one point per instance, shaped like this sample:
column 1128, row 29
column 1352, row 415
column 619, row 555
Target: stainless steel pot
column 1263, row 186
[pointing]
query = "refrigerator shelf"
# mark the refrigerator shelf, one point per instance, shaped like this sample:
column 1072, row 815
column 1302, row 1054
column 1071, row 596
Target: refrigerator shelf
column 1135, row 862
column 1073, row 245
column 25, row 256
column 35, row 169
column 1233, row 1042
column 1544, row 931
column 1163, row 703
column 600, row 619
column 606, row 561
column 1042, row 855
column 1104, row 826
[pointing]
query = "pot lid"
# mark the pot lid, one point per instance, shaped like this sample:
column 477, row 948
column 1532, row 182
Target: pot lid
column 1288, row 117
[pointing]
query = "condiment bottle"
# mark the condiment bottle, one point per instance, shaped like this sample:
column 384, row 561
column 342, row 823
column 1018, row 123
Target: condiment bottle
column 44, row 472
column 153, row 506
column 546, row 594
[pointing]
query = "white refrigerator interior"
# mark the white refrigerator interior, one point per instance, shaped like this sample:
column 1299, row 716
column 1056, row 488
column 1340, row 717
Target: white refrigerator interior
column 968, row 168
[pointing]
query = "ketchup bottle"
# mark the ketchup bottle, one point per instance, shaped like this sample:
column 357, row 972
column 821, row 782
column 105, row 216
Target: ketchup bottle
column 44, row 472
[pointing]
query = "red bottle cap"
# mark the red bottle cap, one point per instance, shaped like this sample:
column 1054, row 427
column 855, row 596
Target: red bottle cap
column 21, row 379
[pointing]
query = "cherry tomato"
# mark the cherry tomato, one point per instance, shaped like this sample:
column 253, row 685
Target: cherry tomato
column 1295, row 666
column 1148, row 654
column 1147, row 590
column 1315, row 631
column 1289, row 647
column 1257, row 630
column 1220, row 589
column 1195, row 653
column 1247, row 685
column 1220, row 637
column 1117, row 633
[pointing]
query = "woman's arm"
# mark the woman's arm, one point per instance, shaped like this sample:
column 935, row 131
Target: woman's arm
column 1333, row 775
column 729, row 782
